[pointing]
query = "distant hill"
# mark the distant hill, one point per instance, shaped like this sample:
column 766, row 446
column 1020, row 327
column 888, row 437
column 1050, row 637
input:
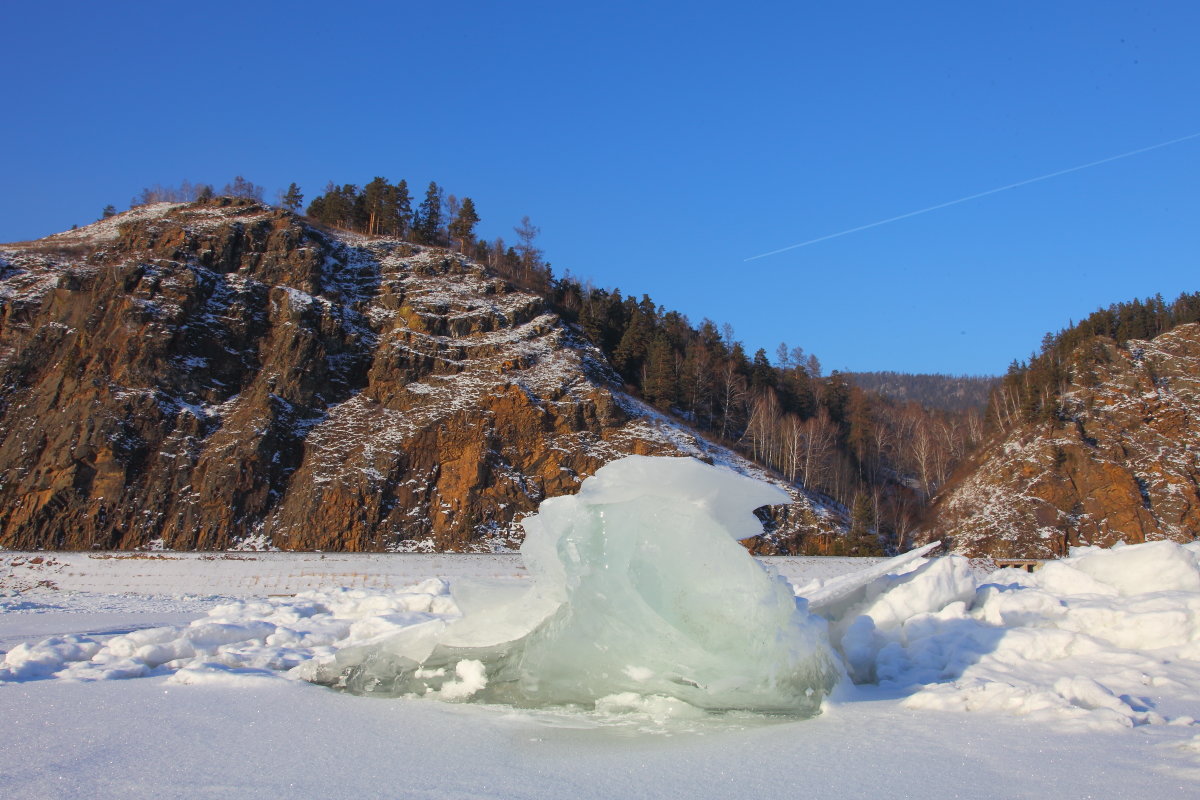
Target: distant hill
column 947, row 392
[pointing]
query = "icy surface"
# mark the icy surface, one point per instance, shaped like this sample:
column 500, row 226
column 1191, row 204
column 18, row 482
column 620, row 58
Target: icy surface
column 616, row 619
column 637, row 599
column 1081, row 677
column 1084, row 676
column 253, row 574
column 641, row 598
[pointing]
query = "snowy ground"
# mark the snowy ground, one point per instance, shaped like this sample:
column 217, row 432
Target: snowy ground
column 1075, row 682
column 250, row 574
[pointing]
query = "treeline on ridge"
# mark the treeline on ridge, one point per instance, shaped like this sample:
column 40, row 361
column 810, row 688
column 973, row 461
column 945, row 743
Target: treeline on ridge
column 382, row 208
column 1031, row 390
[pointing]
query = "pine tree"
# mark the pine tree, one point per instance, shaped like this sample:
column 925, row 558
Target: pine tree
column 359, row 217
column 109, row 211
column 801, row 397
column 593, row 318
column 709, row 337
column 316, row 210
column 660, row 388
column 462, row 228
column 836, row 397
column 292, row 198
column 402, row 209
column 379, row 206
column 762, row 374
column 862, row 540
column 630, row 355
column 427, row 222
column 344, row 205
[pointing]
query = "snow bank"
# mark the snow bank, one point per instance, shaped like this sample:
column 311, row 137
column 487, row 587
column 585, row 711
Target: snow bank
column 1090, row 640
column 47, row 657
column 249, row 638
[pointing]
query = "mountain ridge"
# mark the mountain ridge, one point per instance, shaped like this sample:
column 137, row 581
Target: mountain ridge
column 199, row 375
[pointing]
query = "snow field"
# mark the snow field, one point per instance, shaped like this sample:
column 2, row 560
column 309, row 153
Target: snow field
column 62, row 575
column 224, row 718
column 1071, row 681
column 252, row 574
column 1060, row 645
column 608, row 671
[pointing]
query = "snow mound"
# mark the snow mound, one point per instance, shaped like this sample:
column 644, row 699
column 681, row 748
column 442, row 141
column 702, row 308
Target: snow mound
column 640, row 589
column 1090, row 640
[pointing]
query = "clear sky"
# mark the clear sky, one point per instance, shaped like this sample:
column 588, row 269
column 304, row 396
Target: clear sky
column 660, row 145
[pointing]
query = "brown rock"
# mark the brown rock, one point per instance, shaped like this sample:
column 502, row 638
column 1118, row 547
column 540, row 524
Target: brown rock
column 1124, row 467
column 212, row 374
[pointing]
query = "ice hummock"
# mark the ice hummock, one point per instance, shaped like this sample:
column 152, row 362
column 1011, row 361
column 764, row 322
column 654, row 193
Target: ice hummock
column 641, row 593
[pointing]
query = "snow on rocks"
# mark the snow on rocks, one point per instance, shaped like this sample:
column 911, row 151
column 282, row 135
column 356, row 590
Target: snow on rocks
column 108, row 229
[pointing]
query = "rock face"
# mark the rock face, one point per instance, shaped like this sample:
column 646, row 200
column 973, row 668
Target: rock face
column 1123, row 466
column 207, row 375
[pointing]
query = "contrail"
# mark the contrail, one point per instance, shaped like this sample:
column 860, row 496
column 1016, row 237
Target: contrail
column 976, row 196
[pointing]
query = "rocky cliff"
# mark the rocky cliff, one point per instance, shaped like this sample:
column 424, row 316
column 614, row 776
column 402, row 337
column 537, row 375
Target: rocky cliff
column 1121, row 463
column 207, row 375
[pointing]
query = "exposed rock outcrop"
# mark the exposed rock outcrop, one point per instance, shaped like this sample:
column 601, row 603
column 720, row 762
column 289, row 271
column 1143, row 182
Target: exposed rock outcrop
column 209, row 374
column 1122, row 464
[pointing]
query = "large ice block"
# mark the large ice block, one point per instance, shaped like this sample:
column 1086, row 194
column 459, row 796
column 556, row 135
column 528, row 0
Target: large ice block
column 639, row 585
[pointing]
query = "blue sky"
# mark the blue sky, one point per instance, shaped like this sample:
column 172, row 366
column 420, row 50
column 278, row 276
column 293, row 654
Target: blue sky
column 660, row 145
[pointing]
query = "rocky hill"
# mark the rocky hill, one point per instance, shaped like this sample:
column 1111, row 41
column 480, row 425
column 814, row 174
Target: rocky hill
column 206, row 375
column 1120, row 463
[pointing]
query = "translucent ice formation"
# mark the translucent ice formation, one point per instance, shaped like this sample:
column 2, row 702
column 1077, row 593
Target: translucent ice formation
column 640, row 591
